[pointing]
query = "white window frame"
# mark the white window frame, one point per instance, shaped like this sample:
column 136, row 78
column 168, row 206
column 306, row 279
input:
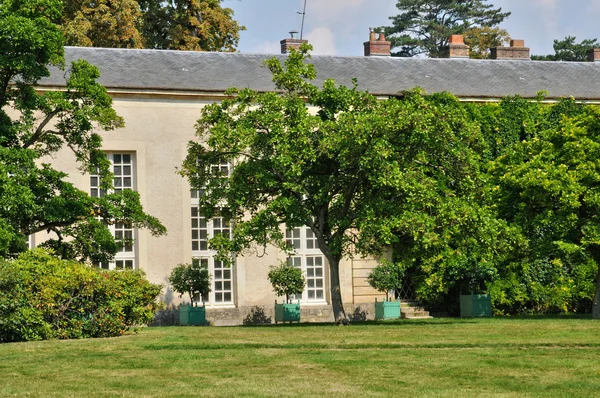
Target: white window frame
column 310, row 259
column 222, row 278
column 126, row 256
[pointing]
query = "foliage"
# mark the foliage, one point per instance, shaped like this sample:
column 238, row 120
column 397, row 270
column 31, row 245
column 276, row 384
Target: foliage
column 43, row 297
column 197, row 25
column 286, row 280
column 481, row 39
column 386, row 276
column 192, row 279
column 34, row 125
column 544, row 286
column 335, row 169
column 103, row 23
column 424, row 26
column 548, row 186
column 569, row 50
column 257, row 316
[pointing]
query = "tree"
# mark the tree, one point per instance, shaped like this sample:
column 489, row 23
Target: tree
column 569, row 50
column 286, row 280
column 191, row 279
column 104, row 23
column 386, row 277
column 34, row 196
column 480, row 40
column 424, row 26
column 338, row 169
column 197, row 25
column 549, row 186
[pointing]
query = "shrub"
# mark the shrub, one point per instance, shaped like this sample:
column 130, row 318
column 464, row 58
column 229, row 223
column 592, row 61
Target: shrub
column 44, row 297
column 286, row 280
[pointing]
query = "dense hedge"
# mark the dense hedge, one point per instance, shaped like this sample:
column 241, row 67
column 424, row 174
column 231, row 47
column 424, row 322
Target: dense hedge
column 527, row 233
column 44, row 297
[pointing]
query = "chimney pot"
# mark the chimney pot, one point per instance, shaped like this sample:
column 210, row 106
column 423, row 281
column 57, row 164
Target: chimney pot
column 377, row 45
column 456, row 39
column 291, row 42
column 517, row 43
column 372, row 35
column 456, row 47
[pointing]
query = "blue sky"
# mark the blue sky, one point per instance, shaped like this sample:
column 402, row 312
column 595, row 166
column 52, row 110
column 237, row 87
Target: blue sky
column 339, row 27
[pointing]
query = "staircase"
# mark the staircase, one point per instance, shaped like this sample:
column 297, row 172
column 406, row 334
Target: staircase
column 413, row 310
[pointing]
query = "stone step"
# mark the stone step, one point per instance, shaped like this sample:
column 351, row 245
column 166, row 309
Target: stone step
column 404, row 316
column 413, row 310
column 416, row 313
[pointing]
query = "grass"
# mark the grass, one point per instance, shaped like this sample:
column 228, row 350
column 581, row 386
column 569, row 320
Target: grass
column 504, row 357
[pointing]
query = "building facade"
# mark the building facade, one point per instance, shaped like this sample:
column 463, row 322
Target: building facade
column 160, row 95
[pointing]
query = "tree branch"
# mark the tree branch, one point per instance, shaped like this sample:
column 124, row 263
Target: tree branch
column 39, row 132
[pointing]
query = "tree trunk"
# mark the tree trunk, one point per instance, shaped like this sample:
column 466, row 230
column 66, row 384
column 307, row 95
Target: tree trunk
column 596, row 302
column 336, row 294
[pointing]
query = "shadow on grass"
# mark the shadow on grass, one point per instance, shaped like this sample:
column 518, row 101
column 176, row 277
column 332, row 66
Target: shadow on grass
column 393, row 322
column 432, row 322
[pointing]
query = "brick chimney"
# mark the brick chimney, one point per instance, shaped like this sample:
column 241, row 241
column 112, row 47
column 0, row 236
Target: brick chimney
column 456, row 47
column 517, row 50
column 377, row 45
column 593, row 55
column 291, row 42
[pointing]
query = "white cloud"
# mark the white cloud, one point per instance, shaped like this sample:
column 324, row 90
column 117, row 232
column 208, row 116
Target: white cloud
column 267, row 47
column 322, row 40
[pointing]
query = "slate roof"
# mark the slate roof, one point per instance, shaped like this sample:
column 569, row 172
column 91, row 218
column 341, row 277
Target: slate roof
column 215, row 72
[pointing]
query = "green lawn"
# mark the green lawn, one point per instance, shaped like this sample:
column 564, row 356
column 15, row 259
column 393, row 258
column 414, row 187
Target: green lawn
column 439, row 357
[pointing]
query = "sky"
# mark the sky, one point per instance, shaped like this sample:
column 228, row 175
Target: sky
column 339, row 27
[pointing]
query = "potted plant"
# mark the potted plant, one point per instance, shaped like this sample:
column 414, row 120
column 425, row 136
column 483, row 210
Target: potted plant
column 386, row 277
column 195, row 281
column 286, row 281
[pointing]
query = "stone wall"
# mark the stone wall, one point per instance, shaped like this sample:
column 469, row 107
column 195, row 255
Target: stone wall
column 236, row 316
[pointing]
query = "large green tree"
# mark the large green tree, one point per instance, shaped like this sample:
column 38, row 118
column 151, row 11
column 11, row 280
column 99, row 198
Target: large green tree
column 34, row 196
column 424, row 26
column 569, row 50
column 338, row 167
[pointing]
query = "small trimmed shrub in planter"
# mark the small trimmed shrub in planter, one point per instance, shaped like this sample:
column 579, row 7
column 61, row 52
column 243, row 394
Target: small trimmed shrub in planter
column 386, row 277
column 286, row 281
column 195, row 281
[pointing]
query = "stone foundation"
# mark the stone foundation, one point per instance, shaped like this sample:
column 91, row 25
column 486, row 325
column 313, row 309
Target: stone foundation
column 236, row 316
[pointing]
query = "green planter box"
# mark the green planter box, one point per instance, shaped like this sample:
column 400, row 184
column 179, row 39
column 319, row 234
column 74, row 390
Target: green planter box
column 475, row 305
column 387, row 309
column 192, row 316
column 287, row 312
